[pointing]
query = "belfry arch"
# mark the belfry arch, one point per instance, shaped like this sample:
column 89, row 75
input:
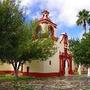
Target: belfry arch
column 45, row 22
column 51, row 30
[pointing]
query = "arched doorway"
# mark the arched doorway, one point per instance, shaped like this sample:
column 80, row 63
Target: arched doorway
column 66, row 67
column 65, row 64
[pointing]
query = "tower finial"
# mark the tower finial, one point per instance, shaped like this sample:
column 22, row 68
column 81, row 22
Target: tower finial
column 45, row 14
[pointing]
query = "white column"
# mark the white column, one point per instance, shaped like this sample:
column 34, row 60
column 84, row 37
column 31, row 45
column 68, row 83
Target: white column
column 66, row 68
column 79, row 69
column 89, row 71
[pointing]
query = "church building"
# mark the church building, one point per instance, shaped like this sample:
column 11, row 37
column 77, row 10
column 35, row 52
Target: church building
column 59, row 64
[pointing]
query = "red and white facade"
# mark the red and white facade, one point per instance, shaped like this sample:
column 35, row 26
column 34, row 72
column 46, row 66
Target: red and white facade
column 55, row 65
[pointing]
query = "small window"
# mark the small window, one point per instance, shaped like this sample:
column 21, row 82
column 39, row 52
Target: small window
column 49, row 62
column 27, row 69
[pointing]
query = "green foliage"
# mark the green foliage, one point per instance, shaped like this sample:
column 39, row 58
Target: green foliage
column 30, row 49
column 81, row 50
column 9, row 77
column 74, row 47
column 33, row 26
column 86, row 48
column 42, row 49
column 11, row 21
column 16, row 43
column 11, row 24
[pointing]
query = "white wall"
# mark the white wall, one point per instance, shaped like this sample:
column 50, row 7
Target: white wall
column 43, row 66
column 6, row 67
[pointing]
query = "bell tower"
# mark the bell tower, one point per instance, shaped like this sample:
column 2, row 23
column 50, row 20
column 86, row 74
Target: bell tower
column 46, row 26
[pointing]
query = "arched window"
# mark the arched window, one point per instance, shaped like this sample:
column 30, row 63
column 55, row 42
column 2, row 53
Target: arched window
column 38, row 32
column 44, row 30
column 50, row 31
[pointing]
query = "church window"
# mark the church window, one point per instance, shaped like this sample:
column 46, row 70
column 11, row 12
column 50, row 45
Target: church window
column 49, row 62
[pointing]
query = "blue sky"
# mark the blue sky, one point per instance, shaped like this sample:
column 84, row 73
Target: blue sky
column 62, row 12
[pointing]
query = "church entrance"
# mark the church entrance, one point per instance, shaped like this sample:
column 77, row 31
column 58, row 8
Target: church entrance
column 65, row 58
column 65, row 65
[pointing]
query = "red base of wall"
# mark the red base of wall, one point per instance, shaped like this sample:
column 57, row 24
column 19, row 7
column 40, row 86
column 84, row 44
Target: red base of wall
column 34, row 74
column 6, row 72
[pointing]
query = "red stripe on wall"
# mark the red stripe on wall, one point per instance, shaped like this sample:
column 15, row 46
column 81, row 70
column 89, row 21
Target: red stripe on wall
column 33, row 74
column 36, row 74
column 6, row 72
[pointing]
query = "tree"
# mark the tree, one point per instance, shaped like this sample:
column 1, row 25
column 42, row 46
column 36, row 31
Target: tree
column 76, row 50
column 16, row 43
column 83, row 19
column 85, row 42
column 29, row 49
column 11, row 23
column 81, row 50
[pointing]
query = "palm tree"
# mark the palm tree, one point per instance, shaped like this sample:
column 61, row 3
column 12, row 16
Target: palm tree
column 83, row 18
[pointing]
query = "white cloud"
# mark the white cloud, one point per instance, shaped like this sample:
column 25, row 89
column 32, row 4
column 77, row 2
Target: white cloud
column 62, row 11
column 71, row 8
column 27, row 2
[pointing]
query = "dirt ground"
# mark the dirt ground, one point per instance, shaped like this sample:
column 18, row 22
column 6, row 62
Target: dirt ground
column 54, row 83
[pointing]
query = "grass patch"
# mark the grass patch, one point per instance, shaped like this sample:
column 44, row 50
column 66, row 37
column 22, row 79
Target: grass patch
column 8, row 77
column 19, row 83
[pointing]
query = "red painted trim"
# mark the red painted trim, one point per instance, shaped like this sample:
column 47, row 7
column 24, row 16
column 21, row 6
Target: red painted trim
column 36, row 74
column 6, row 72
column 33, row 74
column 47, row 21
